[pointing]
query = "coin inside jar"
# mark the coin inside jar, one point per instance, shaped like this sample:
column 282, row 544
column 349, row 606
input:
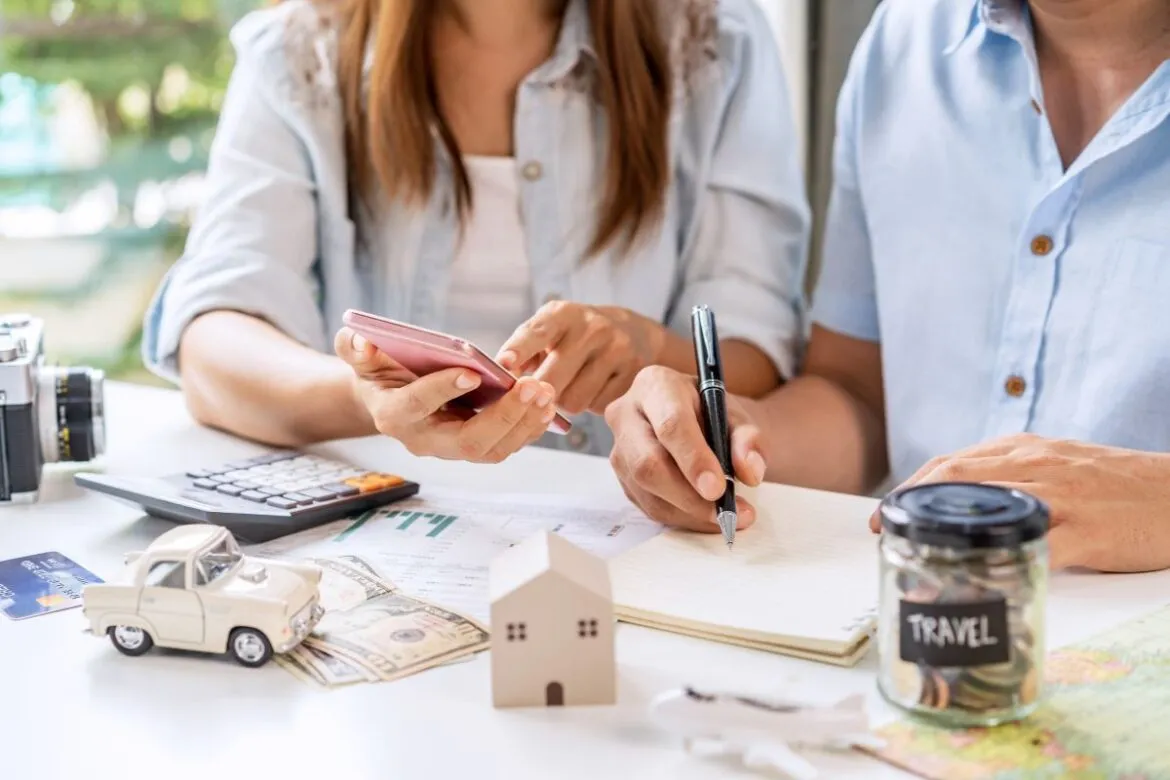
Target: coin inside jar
column 961, row 630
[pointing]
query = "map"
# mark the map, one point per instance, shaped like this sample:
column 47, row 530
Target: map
column 1106, row 716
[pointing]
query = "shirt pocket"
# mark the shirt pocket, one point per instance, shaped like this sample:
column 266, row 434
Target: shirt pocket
column 1125, row 391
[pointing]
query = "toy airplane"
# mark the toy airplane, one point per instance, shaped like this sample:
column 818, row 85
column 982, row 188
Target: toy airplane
column 764, row 733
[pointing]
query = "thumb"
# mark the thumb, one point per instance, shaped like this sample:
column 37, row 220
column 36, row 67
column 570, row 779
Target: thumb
column 746, row 455
column 362, row 356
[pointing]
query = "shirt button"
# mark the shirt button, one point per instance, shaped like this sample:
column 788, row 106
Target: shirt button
column 1041, row 245
column 578, row 439
column 1015, row 386
column 532, row 171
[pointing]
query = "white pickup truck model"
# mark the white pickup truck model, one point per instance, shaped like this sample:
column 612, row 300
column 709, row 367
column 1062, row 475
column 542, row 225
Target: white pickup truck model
column 192, row 589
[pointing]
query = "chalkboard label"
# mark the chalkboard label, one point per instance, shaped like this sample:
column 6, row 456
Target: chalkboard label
column 967, row 634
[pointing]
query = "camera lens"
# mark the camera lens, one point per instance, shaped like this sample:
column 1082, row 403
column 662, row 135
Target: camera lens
column 72, row 413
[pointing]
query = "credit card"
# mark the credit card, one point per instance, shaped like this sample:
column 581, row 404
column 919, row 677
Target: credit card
column 40, row 584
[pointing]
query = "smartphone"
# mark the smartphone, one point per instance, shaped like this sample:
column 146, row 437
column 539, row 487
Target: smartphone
column 424, row 352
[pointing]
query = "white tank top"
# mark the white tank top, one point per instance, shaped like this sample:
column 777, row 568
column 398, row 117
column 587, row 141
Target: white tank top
column 490, row 292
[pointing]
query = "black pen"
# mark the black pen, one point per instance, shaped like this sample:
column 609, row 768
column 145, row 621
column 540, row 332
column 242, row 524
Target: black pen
column 713, row 406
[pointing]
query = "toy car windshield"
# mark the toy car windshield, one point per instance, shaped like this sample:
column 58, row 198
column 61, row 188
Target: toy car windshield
column 219, row 560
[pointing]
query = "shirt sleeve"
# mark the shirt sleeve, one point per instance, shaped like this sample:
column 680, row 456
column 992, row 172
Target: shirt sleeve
column 746, row 259
column 845, row 299
column 253, row 245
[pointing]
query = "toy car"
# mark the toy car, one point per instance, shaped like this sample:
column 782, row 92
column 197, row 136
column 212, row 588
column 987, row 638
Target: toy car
column 193, row 589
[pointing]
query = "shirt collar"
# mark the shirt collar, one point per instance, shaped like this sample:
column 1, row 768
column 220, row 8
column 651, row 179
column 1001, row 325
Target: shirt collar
column 1003, row 17
column 574, row 45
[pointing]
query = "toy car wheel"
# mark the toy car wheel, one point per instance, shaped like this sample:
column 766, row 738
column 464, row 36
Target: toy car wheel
column 130, row 640
column 250, row 647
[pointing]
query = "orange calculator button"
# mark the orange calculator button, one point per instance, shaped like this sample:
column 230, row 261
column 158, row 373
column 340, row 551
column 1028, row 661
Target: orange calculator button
column 373, row 482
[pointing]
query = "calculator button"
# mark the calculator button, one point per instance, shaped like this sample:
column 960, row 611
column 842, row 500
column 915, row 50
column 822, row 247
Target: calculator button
column 230, row 490
column 218, row 478
column 341, row 490
column 198, row 473
column 246, row 485
column 300, row 498
column 370, row 483
column 281, row 503
column 317, row 494
column 254, row 495
column 237, row 474
column 206, row 484
column 240, row 464
column 270, row 491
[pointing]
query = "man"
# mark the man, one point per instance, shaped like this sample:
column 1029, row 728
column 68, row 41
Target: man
column 995, row 302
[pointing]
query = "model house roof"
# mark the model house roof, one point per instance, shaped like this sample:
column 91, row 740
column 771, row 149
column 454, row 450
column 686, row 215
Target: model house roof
column 543, row 553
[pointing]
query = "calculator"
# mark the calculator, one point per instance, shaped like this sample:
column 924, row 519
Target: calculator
column 260, row 498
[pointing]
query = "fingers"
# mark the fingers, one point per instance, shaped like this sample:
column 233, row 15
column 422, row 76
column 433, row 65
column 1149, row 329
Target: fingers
column 517, row 419
column 365, row 359
column 583, row 390
column 540, row 333
column 645, row 466
column 674, row 417
column 747, row 454
column 396, row 411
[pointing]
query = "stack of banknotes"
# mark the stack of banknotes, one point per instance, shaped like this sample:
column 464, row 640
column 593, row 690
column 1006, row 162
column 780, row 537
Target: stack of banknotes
column 371, row 632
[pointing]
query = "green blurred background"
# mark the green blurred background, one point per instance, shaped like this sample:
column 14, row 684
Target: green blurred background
column 107, row 111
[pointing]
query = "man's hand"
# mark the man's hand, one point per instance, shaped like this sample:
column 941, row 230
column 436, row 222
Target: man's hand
column 590, row 354
column 1110, row 506
column 662, row 458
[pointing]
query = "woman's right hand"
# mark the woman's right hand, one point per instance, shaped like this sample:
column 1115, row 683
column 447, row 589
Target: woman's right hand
column 414, row 410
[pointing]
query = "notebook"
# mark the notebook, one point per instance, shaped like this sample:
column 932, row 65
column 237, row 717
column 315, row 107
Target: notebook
column 803, row 581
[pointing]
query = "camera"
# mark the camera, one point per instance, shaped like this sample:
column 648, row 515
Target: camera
column 48, row 414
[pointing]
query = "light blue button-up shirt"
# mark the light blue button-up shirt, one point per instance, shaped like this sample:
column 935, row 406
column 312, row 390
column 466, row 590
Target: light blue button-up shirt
column 1009, row 294
column 277, row 238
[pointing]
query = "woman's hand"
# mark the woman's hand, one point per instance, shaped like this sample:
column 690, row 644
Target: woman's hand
column 414, row 410
column 1110, row 507
column 589, row 354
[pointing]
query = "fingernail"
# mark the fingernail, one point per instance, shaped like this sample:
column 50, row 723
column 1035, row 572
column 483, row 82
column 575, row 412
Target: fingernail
column 544, row 400
column 711, row 486
column 549, row 414
column 755, row 462
column 466, row 381
column 508, row 359
column 358, row 342
column 527, row 392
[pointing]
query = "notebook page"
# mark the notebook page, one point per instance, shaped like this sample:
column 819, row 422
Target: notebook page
column 806, row 574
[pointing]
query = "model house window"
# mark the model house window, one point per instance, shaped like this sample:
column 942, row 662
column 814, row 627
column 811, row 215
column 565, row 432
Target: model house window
column 586, row 628
column 517, row 632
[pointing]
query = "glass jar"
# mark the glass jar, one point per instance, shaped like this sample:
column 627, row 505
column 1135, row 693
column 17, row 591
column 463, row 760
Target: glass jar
column 964, row 575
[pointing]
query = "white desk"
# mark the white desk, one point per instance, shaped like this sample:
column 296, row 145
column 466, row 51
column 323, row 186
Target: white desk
column 72, row 707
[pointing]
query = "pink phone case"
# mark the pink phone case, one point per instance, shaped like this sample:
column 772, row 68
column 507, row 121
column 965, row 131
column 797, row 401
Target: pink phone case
column 423, row 352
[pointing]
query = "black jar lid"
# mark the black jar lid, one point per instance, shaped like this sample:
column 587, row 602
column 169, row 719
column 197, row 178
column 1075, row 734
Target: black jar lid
column 964, row 516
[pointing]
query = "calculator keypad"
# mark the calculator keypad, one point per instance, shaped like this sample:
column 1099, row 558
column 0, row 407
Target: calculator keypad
column 291, row 480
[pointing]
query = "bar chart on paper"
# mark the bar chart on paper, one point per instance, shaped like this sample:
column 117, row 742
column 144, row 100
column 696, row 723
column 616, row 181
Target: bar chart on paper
column 438, row 546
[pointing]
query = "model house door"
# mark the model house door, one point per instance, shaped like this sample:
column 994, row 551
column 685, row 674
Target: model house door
column 554, row 695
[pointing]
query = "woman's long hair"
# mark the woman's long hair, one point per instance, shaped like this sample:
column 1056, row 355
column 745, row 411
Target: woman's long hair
column 389, row 132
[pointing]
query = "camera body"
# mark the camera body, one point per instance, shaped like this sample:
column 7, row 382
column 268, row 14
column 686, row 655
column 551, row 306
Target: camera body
column 48, row 414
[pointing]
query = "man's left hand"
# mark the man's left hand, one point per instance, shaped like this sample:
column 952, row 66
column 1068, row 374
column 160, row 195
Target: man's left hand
column 1110, row 507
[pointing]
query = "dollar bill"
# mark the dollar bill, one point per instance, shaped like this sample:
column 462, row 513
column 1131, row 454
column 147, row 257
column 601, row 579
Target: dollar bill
column 348, row 581
column 396, row 636
column 330, row 670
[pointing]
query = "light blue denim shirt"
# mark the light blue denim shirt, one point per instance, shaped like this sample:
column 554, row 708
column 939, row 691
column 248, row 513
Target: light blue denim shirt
column 275, row 237
column 1009, row 295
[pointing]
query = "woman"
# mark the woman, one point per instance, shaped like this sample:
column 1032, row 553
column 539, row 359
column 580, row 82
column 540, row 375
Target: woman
column 560, row 180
